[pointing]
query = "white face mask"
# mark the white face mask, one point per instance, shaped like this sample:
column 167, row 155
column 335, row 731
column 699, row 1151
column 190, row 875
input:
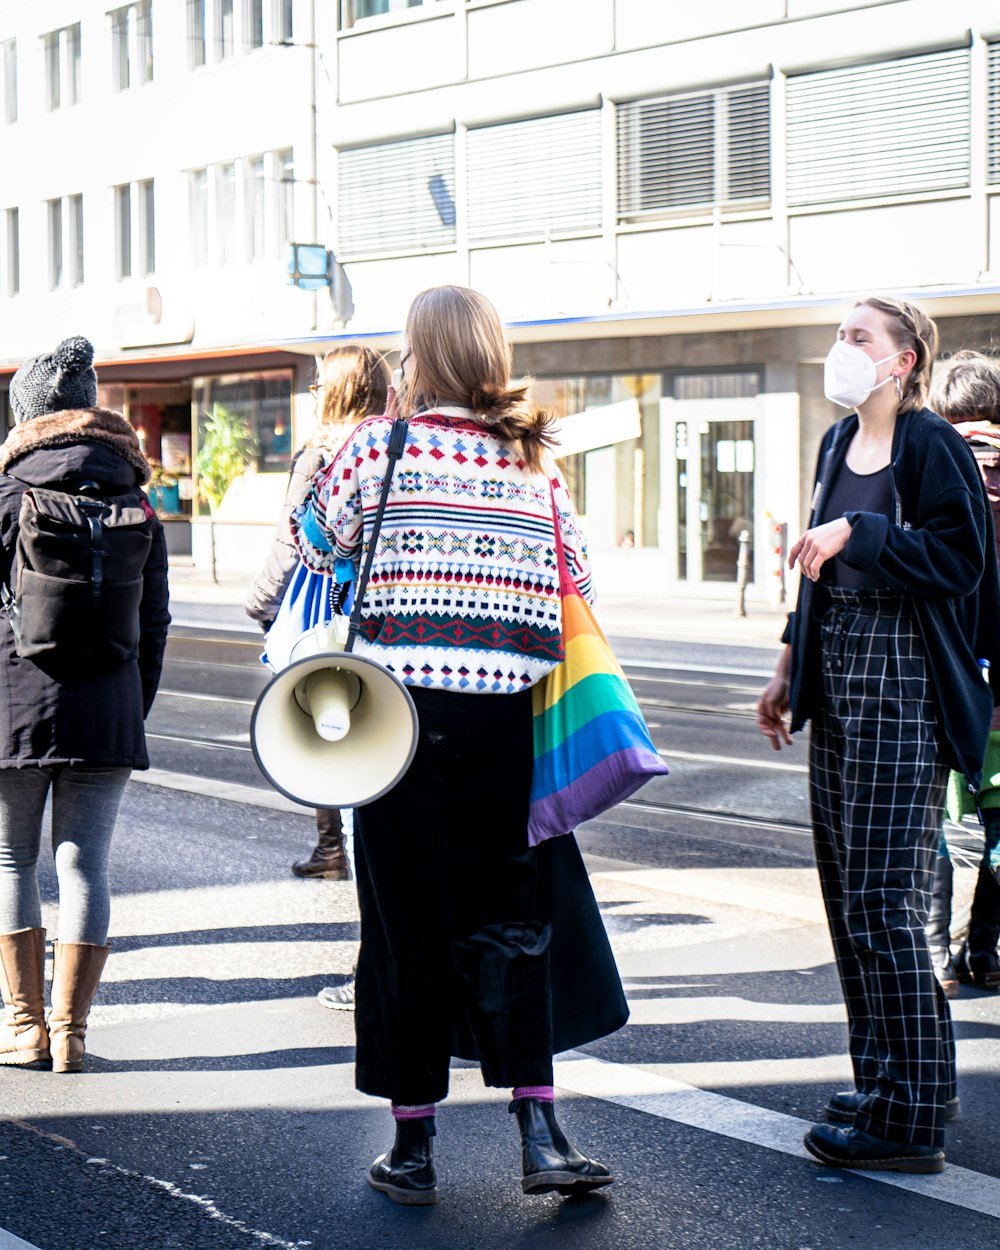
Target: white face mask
column 849, row 375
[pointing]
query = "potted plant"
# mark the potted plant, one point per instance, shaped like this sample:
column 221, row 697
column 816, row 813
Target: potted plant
column 226, row 447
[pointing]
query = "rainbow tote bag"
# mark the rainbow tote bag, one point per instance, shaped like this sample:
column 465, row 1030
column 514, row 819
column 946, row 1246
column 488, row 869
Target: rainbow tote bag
column 592, row 748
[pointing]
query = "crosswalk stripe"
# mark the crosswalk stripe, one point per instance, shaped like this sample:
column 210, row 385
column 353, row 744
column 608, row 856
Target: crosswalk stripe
column 627, row 1086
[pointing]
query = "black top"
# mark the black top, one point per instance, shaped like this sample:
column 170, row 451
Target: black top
column 856, row 492
column 938, row 548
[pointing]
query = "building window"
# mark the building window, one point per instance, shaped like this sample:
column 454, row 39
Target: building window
column 257, row 408
column 993, row 114
column 147, row 225
column 551, row 164
column 225, row 34
column 352, row 11
column 254, row 22
column 889, row 128
column 693, row 150
column 12, row 250
column 123, row 231
column 53, row 78
column 286, row 197
column 225, row 196
column 55, row 212
column 75, row 207
column 65, row 241
column 199, row 216
column 132, row 43
column 135, row 229
column 611, row 423
column 413, row 183
column 196, row 33
column 256, row 203
column 283, row 20
column 9, row 64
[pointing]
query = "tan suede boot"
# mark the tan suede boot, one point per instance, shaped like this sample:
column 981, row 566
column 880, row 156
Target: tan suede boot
column 76, row 974
column 23, row 1036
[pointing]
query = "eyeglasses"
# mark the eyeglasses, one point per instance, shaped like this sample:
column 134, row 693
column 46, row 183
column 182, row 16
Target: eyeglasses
column 316, row 387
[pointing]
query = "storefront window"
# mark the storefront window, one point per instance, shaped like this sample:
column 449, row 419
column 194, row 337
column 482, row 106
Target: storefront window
column 244, row 422
column 161, row 414
column 610, row 431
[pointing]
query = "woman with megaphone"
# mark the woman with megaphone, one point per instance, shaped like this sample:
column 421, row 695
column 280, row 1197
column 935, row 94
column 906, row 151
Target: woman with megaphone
column 473, row 943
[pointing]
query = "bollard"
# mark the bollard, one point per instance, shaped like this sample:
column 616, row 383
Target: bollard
column 743, row 571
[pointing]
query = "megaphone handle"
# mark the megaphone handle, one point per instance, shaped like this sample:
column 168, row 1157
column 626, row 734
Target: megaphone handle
column 397, row 445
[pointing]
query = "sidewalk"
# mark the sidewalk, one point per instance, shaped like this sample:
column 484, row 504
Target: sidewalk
column 196, row 599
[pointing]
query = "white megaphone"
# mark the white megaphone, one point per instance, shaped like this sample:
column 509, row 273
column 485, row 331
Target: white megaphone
column 333, row 729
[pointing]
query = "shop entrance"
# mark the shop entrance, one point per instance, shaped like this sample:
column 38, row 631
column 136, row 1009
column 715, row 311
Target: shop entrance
column 708, row 467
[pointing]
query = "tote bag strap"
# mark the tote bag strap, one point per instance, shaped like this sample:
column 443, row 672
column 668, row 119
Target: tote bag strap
column 567, row 583
column 397, row 445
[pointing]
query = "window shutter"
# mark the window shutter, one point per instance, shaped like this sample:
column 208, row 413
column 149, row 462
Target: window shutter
column 749, row 143
column 993, row 117
column 397, row 196
column 693, row 150
column 882, row 129
column 527, row 177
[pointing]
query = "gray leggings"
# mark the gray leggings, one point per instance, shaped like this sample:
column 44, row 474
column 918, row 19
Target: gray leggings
column 85, row 804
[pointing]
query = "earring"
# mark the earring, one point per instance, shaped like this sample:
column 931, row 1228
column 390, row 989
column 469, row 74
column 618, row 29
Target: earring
column 899, row 386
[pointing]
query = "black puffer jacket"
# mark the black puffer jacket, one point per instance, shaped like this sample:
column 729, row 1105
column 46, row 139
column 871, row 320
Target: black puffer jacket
column 96, row 720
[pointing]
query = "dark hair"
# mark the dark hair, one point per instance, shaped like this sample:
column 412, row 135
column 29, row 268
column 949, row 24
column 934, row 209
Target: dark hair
column 459, row 354
column 913, row 329
column 355, row 386
column 968, row 387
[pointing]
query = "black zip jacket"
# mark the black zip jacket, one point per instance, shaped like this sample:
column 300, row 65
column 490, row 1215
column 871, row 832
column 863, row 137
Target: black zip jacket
column 939, row 549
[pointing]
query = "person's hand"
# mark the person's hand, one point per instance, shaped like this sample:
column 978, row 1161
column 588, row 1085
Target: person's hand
column 818, row 545
column 771, row 708
column 391, row 405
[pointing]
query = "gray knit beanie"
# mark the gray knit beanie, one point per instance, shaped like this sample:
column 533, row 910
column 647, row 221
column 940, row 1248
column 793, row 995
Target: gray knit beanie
column 62, row 379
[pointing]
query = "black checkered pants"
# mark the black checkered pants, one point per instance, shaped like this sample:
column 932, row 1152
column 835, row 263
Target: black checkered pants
column 877, row 792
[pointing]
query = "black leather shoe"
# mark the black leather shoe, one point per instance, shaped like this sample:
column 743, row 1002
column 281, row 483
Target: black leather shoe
column 406, row 1172
column 851, row 1148
column 334, row 867
column 548, row 1162
column 843, row 1107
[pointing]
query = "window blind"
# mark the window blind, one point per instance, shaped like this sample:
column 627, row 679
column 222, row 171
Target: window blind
column 527, row 177
column 883, row 129
column 396, row 196
column 693, row 149
column 993, row 113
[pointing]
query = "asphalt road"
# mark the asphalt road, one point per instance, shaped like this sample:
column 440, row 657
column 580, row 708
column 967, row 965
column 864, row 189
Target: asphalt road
column 218, row 1108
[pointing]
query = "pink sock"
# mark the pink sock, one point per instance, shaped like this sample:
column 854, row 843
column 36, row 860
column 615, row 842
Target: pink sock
column 544, row 1093
column 402, row 1112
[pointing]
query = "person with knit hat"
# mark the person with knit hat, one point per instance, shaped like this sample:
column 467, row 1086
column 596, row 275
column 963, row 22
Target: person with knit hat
column 55, row 381
column 76, row 730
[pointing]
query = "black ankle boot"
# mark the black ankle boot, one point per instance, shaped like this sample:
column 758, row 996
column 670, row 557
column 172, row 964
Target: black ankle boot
column 938, row 926
column 406, row 1172
column 980, row 964
column 548, row 1161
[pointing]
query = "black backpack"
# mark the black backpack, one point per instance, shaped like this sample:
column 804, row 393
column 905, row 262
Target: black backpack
column 76, row 579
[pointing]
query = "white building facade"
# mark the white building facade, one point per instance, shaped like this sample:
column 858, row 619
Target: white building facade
column 671, row 203
column 158, row 159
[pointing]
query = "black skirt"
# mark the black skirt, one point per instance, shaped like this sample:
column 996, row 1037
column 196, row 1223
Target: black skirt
column 473, row 944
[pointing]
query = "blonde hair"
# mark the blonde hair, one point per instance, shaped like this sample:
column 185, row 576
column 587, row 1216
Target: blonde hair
column 355, row 386
column 968, row 387
column 909, row 328
column 459, row 354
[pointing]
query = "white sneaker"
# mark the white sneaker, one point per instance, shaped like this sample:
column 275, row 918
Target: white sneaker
column 340, row 997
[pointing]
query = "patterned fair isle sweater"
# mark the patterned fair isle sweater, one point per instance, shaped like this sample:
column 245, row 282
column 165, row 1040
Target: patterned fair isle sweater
column 464, row 588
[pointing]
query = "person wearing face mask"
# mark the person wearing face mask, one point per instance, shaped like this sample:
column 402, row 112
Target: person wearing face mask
column 898, row 603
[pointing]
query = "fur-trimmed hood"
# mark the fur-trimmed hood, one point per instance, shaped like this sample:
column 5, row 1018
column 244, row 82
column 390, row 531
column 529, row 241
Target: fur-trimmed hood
column 75, row 425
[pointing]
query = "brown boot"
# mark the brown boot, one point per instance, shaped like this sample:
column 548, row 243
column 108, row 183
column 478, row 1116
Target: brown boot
column 23, row 1036
column 75, row 977
column 329, row 859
